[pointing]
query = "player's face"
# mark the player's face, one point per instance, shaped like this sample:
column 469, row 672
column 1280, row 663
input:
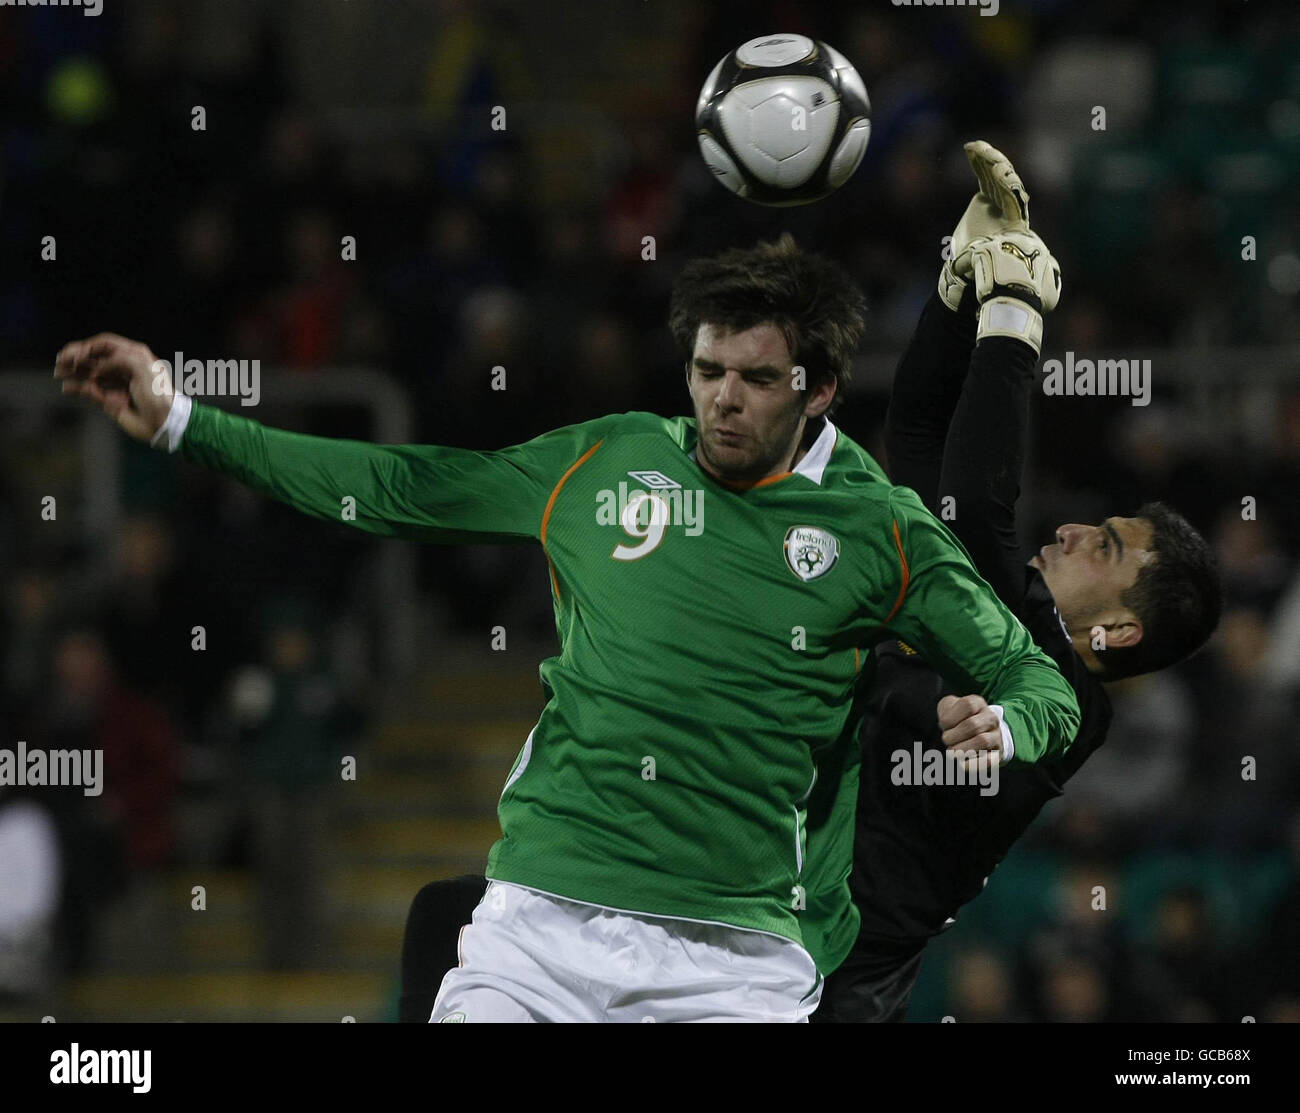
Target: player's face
column 1089, row 567
column 748, row 413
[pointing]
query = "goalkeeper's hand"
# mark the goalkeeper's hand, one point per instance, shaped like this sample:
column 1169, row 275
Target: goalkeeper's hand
column 1016, row 281
column 1001, row 205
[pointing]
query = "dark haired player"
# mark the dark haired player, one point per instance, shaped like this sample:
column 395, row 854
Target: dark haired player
column 1143, row 587
column 654, row 862
column 1128, row 596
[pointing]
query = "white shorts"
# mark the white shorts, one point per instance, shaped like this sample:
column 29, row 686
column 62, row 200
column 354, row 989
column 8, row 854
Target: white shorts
column 529, row 956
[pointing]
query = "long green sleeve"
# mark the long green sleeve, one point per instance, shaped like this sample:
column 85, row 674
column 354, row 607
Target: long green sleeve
column 416, row 492
column 954, row 619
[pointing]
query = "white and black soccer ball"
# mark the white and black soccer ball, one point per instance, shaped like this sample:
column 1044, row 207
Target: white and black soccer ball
column 783, row 120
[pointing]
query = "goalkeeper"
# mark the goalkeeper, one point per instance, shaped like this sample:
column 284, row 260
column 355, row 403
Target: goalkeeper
column 654, row 860
column 1128, row 596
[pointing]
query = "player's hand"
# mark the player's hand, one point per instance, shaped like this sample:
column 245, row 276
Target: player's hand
column 122, row 377
column 968, row 723
column 1014, row 264
column 1016, row 280
column 1000, row 205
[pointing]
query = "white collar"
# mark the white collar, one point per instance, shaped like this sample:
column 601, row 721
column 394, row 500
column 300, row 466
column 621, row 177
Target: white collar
column 813, row 464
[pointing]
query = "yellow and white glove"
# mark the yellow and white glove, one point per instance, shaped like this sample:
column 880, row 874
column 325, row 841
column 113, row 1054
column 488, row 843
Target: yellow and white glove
column 1016, row 278
column 1001, row 205
column 1016, row 281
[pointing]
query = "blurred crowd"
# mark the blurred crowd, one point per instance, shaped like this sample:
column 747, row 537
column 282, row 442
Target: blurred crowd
column 478, row 248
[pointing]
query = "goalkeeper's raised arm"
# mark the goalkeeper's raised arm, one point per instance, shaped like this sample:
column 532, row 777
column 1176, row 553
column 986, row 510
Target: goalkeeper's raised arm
column 416, row 492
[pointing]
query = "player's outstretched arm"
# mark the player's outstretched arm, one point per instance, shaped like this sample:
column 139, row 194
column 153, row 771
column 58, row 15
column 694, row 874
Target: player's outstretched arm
column 984, row 460
column 927, row 387
column 953, row 618
column 929, row 378
column 1015, row 281
column 418, row 492
column 958, row 425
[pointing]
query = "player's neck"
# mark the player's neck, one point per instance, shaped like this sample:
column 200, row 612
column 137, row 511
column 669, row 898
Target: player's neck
column 1081, row 642
column 739, row 482
column 1083, row 647
column 808, row 435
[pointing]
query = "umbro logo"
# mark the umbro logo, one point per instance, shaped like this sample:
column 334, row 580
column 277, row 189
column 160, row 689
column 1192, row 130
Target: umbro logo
column 654, row 480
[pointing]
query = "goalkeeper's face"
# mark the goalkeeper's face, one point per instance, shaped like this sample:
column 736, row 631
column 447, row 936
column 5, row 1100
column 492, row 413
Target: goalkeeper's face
column 751, row 404
column 1089, row 569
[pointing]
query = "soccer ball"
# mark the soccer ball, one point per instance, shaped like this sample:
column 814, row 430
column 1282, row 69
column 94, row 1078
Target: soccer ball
column 783, row 120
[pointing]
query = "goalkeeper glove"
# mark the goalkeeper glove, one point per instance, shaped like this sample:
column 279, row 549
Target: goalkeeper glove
column 1001, row 205
column 1016, row 281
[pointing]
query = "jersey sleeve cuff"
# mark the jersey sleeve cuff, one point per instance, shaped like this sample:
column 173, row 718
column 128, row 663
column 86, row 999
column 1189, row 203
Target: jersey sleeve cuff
column 173, row 428
column 1008, row 745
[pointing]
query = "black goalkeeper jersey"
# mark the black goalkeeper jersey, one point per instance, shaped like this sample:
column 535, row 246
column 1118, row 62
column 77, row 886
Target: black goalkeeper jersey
column 958, row 434
column 922, row 851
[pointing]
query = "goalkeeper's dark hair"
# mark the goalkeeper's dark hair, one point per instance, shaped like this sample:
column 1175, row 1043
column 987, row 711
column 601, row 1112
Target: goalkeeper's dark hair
column 813, row 300
column 1178, row 598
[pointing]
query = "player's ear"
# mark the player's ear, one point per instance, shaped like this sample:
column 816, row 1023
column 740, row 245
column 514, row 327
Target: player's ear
column 820, row 397
column 1124, row 635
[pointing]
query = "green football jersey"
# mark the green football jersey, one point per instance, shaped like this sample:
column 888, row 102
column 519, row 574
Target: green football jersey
column 711, row 639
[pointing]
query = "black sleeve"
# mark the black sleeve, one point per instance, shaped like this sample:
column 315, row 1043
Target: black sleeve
column 927, row 386
column 984, row 458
